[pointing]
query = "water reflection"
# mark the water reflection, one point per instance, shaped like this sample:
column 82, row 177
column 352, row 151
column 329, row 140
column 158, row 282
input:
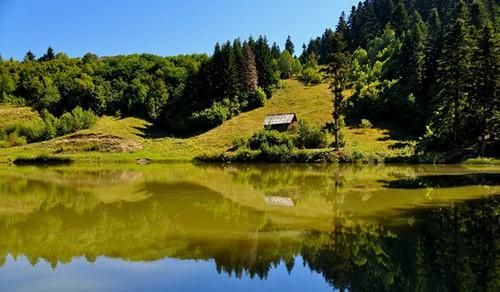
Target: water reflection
column 364, row 228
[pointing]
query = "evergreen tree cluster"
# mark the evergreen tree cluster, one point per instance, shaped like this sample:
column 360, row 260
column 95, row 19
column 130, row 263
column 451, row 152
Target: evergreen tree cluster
column 239, row 76
column 429, row 66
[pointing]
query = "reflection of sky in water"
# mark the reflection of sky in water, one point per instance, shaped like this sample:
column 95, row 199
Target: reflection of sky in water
column 166, row 275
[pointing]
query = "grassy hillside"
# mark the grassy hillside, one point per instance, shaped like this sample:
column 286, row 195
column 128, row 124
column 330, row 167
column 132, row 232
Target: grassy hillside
column 10, row 115
column 127, row 139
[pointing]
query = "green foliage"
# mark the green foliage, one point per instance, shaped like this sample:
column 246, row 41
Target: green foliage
column 256, row 99
column 215, row 115
column 51, row 125
column 288, row 65
column 423, row 65
column 365, row 124
column 46, row 127
column 276, row 153
column 310, row 136
column 289, row 46
column 311, row 76
column 270, row 138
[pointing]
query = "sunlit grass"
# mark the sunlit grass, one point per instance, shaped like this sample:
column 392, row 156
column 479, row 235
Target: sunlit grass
column 11, row 114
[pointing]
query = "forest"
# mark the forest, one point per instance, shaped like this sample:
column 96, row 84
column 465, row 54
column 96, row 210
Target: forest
column 428, row 66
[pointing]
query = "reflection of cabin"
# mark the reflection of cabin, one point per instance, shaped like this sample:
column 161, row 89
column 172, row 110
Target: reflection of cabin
column 281, row 122
column 280, row 201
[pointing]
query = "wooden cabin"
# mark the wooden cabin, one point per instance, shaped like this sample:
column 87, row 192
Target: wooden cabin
column 280, row 122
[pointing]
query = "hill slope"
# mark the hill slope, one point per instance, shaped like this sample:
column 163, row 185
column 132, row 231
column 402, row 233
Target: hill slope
column 125, row 139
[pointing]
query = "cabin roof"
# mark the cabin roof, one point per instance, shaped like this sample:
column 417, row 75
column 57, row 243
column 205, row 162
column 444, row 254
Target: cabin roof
column 279, row 119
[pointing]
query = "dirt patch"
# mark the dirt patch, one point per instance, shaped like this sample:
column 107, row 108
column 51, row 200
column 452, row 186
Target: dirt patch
column 96, row 143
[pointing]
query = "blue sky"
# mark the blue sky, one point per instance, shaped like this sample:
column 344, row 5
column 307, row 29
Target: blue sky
column 168, row 27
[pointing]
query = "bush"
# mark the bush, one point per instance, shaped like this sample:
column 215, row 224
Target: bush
column 244, row 155
column 213, row 116
column 276, row 153
column 82, row 119
column 365, row 124
column 66, row 124
column 311, row 76
column 310, row 136
column 12, row 140
column 239, row 143
column 51, row 125
column 256, row 99
column 270, row 138
column 46, row 127
column 33, row 131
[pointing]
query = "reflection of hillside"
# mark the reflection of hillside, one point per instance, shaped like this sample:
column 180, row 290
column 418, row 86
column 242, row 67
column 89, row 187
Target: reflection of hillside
column 210, row 212
column 193, row 224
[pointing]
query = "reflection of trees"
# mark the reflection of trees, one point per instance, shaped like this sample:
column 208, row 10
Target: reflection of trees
column 447, row 249
column 212, row 213
column 446, row 181
column 183, row 221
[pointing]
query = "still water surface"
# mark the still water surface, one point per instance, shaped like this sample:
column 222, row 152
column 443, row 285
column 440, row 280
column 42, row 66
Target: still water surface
column 181, row 227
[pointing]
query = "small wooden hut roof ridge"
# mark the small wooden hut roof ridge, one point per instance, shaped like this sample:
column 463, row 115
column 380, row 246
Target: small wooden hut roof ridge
column 280, row 120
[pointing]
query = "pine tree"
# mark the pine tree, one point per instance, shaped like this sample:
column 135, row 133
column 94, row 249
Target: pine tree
column 412, row 55
column 263, row 60
column 29, row 57
column 486, row 103
column 342, row 26
column 230, row 78
column 400, row 19
column 48, row 56
column 249, row 77
column 275, row 51
column 338, row 69
column 433, row 48
column 289, row 46
column 476, row 15
column 215, row 76
column 454, row 81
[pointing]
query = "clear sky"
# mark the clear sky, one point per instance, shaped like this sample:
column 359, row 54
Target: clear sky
column 168, row 27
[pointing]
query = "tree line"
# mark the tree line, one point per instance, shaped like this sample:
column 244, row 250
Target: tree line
column 183, row 94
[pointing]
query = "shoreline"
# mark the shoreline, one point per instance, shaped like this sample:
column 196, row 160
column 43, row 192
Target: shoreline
column 305, row 157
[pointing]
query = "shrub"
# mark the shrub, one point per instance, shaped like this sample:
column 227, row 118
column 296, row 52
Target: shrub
column 276, row 153
column 270, row 138
column 244, row 155
column 30, row 132
column 77, row 119
column 82, row 119
column 310, row 136
column 365, row 124
column 13, row 139
column 239, row 143
column 66, row 124
column 256, row 99
column 311, row 76
column 212, row 116
column 51, row 124
column 33, row 131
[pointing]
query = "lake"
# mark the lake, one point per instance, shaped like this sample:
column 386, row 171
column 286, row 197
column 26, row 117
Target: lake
column 182, row 227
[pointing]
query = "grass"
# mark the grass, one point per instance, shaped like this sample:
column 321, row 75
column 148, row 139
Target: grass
column 10, row 115
column 312, row 103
